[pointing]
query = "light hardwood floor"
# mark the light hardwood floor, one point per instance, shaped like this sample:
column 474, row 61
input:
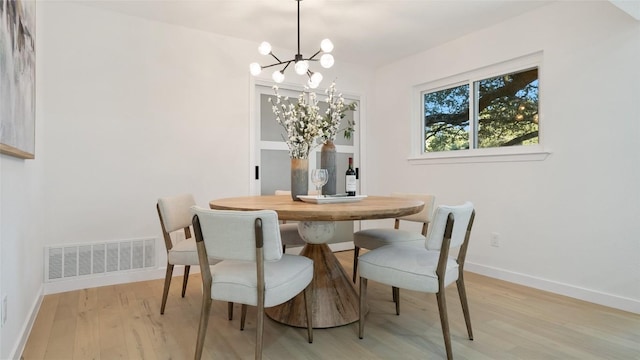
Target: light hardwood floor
column 509, row 322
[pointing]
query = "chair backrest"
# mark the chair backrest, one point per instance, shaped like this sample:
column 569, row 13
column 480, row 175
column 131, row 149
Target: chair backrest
column 231, row 235
column 462, row 221
column 423, row 216
column 175, row 211
column 175, row 214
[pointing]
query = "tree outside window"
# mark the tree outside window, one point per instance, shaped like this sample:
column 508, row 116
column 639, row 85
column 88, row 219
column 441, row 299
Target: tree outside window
column 505, row 113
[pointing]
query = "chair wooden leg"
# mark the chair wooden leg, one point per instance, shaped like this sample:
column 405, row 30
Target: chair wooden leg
column 185, row 279
column 167, row 283
column 396, row 298
column 363, row 296
column 356, row 252
column 465, row 306
column 444, row 322
column 243, row 316
column 307, row 308
column 259, row 330
column 202, row 328
column 230, row 310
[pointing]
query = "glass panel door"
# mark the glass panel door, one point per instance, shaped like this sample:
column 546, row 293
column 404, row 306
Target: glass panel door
column 272, row 155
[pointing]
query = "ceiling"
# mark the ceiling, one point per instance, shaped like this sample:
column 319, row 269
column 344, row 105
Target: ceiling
column 369, row 32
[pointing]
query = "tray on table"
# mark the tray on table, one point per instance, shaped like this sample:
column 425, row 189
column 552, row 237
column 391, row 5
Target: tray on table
column 330, row 199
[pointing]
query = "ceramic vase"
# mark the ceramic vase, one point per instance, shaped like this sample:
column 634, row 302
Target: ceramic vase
column 299, row 178
column 328, row 161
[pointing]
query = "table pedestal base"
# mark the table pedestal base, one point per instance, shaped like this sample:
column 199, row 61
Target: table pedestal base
column 334, row 297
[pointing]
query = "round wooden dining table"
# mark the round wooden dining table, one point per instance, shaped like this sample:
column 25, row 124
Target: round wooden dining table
column 335, row 299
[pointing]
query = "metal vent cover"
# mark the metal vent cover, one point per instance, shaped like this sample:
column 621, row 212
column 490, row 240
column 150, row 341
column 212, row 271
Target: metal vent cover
column 68, row 261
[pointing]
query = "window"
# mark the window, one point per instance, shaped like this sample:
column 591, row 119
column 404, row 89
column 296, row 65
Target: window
column 487, row 112
column 505, row 113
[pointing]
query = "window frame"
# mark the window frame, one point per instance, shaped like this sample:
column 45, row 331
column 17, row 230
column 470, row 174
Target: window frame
column 535, row 152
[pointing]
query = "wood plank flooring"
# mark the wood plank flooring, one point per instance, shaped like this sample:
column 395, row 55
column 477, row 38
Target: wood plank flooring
column 509, row 322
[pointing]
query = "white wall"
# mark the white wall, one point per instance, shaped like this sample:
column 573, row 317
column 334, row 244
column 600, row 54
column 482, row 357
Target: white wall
column 136, row 110
column 139, row 109
column 570, row 223
column 22, row 233
column 133, row 110
column 21, row 240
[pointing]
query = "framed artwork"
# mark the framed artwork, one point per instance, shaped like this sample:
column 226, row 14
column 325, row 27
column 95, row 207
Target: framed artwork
column 17, row 78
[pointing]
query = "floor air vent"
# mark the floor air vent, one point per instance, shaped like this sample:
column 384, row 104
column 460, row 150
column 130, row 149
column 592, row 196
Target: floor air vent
column 67, row 261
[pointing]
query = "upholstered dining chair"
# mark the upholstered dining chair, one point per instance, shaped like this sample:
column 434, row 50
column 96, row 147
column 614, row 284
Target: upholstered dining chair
column 289, row 231
column 175, row 215
column 374, row 238
column 428, row 269
column 254, row 270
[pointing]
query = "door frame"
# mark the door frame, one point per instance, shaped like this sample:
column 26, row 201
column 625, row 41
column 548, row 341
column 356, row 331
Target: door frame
column 258, row 87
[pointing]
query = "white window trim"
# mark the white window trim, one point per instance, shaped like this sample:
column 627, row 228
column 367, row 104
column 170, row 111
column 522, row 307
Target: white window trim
column 499, row 154
column 512, row 153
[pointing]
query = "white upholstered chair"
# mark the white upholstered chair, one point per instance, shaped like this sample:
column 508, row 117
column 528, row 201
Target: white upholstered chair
column 428, row 269
column 374, row 238
column 254, row 270
column 175, row 215
column 289, row 231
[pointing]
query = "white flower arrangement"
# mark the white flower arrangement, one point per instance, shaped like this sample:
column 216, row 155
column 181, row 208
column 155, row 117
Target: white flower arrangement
column 301, row 120
column 334, row 114
column 305, row 125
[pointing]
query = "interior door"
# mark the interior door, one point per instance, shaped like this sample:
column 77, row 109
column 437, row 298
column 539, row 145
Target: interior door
column 271, row 155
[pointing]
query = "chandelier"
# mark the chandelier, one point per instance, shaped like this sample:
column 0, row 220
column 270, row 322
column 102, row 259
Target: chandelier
column 300, row 64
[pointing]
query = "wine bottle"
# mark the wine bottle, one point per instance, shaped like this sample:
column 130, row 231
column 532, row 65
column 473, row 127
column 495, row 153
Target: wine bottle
column 350, row 179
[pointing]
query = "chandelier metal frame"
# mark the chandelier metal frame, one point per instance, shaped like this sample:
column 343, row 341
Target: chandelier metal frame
column 301, row 63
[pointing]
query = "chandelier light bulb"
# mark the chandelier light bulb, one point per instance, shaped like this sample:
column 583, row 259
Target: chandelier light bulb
column 264, row 48
column 301, row 67
column 278, row 76
column 255, row 68
column 299, row 61
column 326, row 46
column 316, row 78
column 326, row 61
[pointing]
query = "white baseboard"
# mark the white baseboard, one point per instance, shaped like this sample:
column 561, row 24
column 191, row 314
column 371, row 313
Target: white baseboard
column 78, row 283
column 18, row 348
column 617, row 302
column 592, row 296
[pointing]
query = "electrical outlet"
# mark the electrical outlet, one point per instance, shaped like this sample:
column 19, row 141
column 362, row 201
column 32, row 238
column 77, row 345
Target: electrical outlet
column 495, row 239
column 4, row 310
